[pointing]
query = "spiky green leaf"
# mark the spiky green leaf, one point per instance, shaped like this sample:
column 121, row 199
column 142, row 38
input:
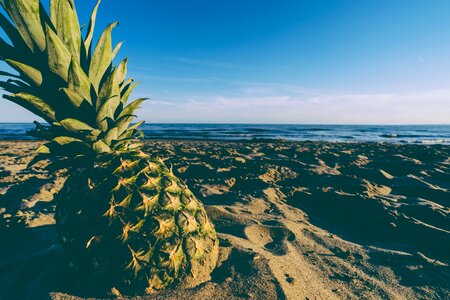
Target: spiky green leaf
column 59, row 57
column 126, row 92
column 131, row 131
column 101, row 147
column 75, row 98
column 102, row 58
column 110, row 88
column 123, row 123
column 126, row 84
column 79, row 81
column 136, row 126
column 90, row 29
column 64, row 16
column 34, row 104
column 31, row 73
column 116, row 50
column 130, row 108
column 65, row 140
column 75, row 125
column 111, row 135
column 135, row 146
column 122, row 70
column 25, row 14
column 106, row 112
column 43, row 149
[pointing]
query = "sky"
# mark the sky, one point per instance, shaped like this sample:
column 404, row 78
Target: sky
column 296, row 62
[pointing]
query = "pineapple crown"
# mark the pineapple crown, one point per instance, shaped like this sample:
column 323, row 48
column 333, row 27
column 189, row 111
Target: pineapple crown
column 77, row 90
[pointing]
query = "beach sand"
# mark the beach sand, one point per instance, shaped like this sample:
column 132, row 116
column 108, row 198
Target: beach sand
column 296, row 221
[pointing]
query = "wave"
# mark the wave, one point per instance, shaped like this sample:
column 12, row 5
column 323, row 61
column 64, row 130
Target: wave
column 244, row 132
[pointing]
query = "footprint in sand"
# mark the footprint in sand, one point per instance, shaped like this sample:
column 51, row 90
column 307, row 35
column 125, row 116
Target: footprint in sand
column 270, row 238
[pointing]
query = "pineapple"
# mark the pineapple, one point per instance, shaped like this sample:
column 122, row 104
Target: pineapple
column 123, row 217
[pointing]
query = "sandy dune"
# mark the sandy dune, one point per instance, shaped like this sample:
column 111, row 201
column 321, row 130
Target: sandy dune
column 296, row 221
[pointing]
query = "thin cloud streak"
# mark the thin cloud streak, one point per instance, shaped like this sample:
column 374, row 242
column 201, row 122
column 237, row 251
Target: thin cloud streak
column 247, row 85
column 381, row 108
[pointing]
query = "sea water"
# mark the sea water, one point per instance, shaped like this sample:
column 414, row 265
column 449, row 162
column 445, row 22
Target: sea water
column 422, row 134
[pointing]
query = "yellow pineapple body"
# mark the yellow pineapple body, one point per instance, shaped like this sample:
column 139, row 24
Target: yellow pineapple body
column 131, row 221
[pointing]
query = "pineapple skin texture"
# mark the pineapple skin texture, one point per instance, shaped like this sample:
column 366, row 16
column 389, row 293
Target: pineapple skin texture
column 132, row 223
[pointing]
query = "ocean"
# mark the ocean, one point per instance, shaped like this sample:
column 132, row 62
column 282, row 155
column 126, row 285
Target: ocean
column 402, row 134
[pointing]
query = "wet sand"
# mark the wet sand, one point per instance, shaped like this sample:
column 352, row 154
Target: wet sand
column 295, row 220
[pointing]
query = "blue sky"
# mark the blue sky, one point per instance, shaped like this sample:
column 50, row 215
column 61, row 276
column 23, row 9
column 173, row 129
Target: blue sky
column 316, row 61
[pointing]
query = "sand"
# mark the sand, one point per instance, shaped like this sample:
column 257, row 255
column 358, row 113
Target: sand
column 295, row 220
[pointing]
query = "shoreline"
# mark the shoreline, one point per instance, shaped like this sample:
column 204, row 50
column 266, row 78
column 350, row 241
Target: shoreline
column 260, row 141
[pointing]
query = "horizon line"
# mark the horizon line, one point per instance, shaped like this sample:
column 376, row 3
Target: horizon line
column 297, row 124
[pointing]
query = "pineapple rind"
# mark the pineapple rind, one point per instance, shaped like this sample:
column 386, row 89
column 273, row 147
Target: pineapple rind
column 139, row 236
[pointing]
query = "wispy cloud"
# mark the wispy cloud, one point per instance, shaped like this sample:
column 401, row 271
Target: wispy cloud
column 239, row 86
column 272, row 106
